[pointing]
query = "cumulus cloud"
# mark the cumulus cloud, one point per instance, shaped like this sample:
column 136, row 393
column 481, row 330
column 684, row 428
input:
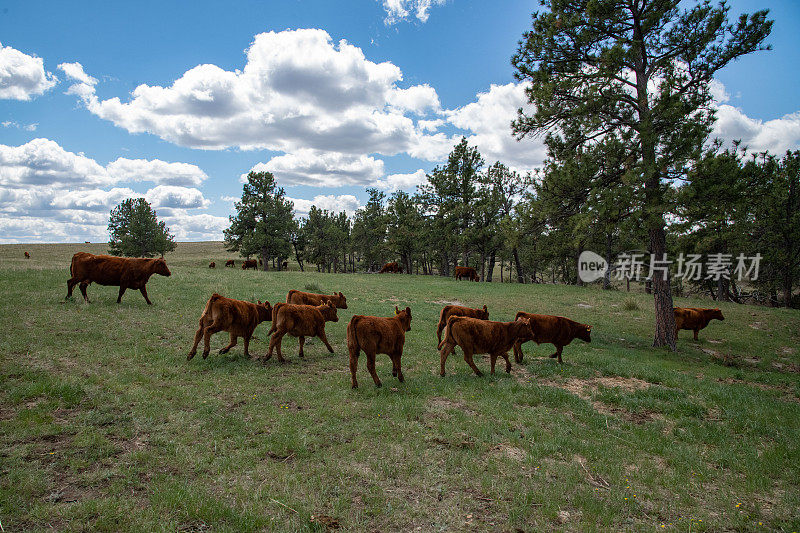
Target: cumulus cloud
column 775, row 136
column 335, row 204
column 22, row 77
column 397, row 182
column 321, row 169
column 156, row 171
column 74, row 71
column 400, row 10
column 44, row 162
column 172, row 197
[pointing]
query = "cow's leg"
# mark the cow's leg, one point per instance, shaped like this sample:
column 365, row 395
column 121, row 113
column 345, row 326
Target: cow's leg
column 144, row 293
column 371, row 368
column 354, row 351
column 443, row 353
column 504, row 355
column 439, row 329
column 396, row 370
column 470, row 362
column 323, row 338
column 247, row 346
column 230, row 345
column 695, row 333
column 122, row 289
column 210, row 330
column 71, row 285
column 83, row 286
column 558, row 354
column 492, row 361
column 197, row 336
column 518, row 352
column 301, row 340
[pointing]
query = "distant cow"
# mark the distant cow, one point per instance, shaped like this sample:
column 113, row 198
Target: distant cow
column 230, row 263
column 234, row 316
column 458, row 310
column 555, row 330
column 260, row 262
column 27, row 255
column 694, row 318
column 375, row 335
column 284, row 265
column 250, row 263
column 300, row 321
column 125, row 272
column 466, row 272
column 482, row 336
column 391, row 268
column 310, row 298
column 212, row 264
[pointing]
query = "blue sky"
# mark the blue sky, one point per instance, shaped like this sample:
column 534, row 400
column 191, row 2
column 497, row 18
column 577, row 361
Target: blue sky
column 223, row 89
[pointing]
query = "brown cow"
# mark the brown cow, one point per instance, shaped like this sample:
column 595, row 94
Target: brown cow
column 555, row 330
column 250, row 263
column 374, row 335
column 230, row 263
column 27, row 255
column 310, row 298
column 125, row 272
column 482, row 336
column 466, row 272
column 458, row 310
column 260, row 262
column 212, row 264
column 694, row 318
column 300, row 321
column 234, row 316
column 391, row 268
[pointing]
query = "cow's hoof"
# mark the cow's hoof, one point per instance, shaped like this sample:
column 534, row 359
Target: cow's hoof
column 205, row 355
column 189, row 356
column 378, row 385
column 401, row 379
column 223, row 351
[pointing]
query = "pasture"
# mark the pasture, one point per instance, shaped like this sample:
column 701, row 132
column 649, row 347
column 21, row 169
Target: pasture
column 104, row 425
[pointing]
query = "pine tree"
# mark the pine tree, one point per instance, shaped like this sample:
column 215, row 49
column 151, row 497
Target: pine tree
column 135, row 230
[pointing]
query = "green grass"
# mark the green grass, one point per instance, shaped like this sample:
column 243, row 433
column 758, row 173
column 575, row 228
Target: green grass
column 104, row 425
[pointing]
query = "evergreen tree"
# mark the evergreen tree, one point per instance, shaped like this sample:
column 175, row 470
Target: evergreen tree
column 135, row 231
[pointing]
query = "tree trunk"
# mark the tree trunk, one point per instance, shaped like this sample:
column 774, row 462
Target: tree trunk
column 490, row 268
column 662, row 294
column 520, row 278
column 264, row 258
column 787, row 291
column 607, row 275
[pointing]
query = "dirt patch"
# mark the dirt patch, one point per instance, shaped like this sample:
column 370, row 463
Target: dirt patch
column 445, row 302
column 787, row 350
column 438, row 403
column 281, row 458
column 512, row 452
column 585, row 388
column 788, row 394
column 786, row 367
column 584, row 306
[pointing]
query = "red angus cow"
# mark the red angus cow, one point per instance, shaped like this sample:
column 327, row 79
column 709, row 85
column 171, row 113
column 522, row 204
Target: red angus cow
column 310, row 298
column 555, row 330
column 250, row 263
column 458, row 310
column 230, row 263
column 482, row 336
column 27, row 255
column 300, row 321
column 234, row 316
column 694, row 318
column 125, row 272
column 466, row 272
column 391, row 268
column 212, row 264
column 374, row 335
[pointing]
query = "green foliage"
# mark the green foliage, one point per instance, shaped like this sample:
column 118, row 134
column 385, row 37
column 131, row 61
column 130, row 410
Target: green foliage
column 135, row 231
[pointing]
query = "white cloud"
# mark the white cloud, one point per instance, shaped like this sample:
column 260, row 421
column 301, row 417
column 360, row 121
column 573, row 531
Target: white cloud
column 399, row 10
column 74, row 71
column 195, row 227
column 334, row 204
column 17, row 125
column 170, row 196
column 321, row 169
column 776, row 136
column 22, row 76
column 395, row 182
column 156, row 171
column 43, row 162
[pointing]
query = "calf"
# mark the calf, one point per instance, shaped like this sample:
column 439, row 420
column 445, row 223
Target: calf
column 230, row 263
column 391, row 268
column 466, row 272
column 27, row 255
column 234, row 316
column 694, row 318
column 375, row 335
column 250, row 263
column 125, row 272
column 482, row 336
column 300, row 321
column 212, row 264
column 555, row 330
column 458, row 310
column 310, row 298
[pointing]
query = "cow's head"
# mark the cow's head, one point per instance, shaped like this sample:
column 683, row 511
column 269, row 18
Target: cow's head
column 524, row 329
column 264, row 311
column 341, row 300
column 328, row 310
column 405, row 317
column 484, row 315
column 161, row 267
column 716, row 313
column 584, row 332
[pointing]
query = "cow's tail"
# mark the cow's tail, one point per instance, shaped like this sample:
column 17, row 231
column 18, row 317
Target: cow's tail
column 214, row 298
column 520, row 314
column 448, row 334
column 289, row 296
column 352, row 339
column 275, row 317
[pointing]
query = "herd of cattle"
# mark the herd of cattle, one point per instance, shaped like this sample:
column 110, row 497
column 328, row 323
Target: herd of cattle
column 304, row 315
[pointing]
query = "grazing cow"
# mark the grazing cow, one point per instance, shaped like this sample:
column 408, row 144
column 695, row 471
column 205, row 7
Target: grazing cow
column 391, row 268
column 250, row 263
column 458, row 310
column 125, row 272
column 694, row 318
column 555, row 330
column 284, row 265
column 375, row 335
column 310, row 298
column 27, row 255
column 212, row 264
column 230, row 263
column 87, row 242
column 234, row 316
column 482, row 336
column 300, row 321
column 466, row 272
column 260, row 262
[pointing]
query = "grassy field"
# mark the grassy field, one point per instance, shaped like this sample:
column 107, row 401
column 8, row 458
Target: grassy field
column 104, row 425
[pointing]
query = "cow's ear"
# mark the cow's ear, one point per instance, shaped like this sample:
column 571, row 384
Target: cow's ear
column 340, row 294
column 408, row 311
column 484, row 308
column 396, row 310
column 588, row 328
